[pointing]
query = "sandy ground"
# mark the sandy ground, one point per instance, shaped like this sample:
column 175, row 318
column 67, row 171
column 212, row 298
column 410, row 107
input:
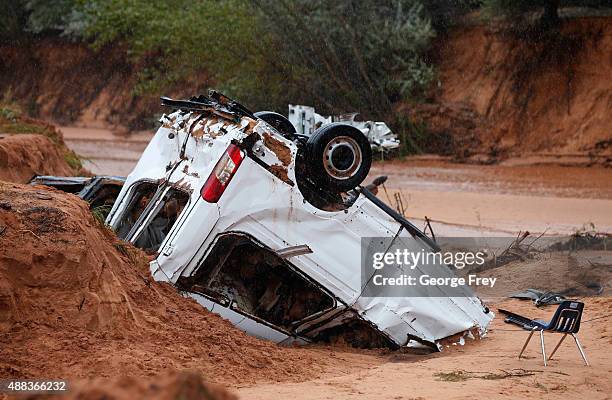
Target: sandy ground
column 485, row 369
column 490, row 368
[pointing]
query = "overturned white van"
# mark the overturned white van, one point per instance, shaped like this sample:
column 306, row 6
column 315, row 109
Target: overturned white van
column 264, row 227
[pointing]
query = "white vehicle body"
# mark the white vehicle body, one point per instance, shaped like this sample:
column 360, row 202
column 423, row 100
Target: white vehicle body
column 306, row 121
column 263, row 203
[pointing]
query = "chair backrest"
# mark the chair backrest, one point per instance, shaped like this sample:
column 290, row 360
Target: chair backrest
column 567, row 317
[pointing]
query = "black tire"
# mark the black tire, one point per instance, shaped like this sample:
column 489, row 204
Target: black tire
column 278, row 122
column 338, row 157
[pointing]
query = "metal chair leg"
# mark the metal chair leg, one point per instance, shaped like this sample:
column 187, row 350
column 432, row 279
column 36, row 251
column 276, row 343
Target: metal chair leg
column 580, row 349
column 556, row 347
column 543, row 349
column 526, row 343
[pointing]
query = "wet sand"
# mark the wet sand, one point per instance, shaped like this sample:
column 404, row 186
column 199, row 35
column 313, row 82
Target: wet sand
column 436, row 174
column 483, row 369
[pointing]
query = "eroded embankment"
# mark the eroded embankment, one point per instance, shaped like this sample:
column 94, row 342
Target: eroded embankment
column 24, row 156
column 30, row 147
column 504, row 94
column 77, row 303
column 69, row 82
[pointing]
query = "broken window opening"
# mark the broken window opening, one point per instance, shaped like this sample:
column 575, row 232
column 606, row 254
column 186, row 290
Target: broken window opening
column 159, row 220
column 67, row 187
column 102, row 201
column 166, row 213
column 142, row 195
column 355, row 332
column 105, row 196
column 256, row 281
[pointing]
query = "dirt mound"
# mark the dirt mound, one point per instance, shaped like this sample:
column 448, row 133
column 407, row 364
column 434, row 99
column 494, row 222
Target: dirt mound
column 31, row 147
column 551, row 97
column 583, row 273
column 77, row 303
column 23, row 156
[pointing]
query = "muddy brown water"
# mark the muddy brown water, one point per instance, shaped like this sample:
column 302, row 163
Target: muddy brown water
column 481, row 200
column 530, row 180
column 461, row 199
column 105, row 153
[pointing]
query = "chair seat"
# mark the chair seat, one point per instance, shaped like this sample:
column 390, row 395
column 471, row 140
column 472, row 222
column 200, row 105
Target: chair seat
column 537, row 324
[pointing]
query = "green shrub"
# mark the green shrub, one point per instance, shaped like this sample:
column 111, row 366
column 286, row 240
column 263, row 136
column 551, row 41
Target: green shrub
column 174, row 40
column 339, row 56
column 349, row 55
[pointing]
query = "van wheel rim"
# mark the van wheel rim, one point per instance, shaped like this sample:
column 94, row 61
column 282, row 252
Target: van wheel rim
column 342, row 157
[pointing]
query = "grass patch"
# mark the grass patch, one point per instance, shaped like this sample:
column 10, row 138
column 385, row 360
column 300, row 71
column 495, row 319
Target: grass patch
column 9, row 112
column 73, row 160
column 13, row 121
column 122, row 248
column 454, row 376
column 19, row 127
column 100, row 213
column 133, row 254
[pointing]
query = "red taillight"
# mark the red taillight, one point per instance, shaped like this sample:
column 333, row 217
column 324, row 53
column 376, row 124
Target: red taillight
column 222, row 174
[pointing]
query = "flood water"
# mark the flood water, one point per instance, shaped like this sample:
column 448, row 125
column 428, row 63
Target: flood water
column 461, row 199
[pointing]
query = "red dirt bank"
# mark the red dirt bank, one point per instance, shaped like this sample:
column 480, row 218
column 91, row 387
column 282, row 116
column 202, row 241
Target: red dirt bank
column 31, row 147
column 501, row 98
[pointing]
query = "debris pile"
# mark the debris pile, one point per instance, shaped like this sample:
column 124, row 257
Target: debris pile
column 306, row 121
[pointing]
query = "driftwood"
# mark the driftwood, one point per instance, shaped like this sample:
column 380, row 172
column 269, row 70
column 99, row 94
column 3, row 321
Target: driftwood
column 517, row 250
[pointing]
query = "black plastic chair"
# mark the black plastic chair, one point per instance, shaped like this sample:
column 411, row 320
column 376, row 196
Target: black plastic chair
column 565, row 321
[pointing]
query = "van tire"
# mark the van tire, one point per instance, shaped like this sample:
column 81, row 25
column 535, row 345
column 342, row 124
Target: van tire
column 278, row 122
column 338, row 157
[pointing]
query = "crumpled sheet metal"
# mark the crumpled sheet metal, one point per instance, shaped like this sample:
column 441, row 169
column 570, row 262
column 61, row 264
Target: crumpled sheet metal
column 429, row 319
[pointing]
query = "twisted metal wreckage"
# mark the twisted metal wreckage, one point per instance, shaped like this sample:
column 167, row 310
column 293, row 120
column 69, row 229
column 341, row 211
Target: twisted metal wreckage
column 263, row 226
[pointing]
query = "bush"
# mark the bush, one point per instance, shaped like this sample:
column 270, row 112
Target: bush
column 349, row 55
column 172, row 39
column 339, row 56
column 44, row 15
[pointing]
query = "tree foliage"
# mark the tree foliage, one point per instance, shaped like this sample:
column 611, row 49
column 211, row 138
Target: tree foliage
column 349, row 54
column 173, row 40
column 526, row 13
column 44, row 15
column 340, row 55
